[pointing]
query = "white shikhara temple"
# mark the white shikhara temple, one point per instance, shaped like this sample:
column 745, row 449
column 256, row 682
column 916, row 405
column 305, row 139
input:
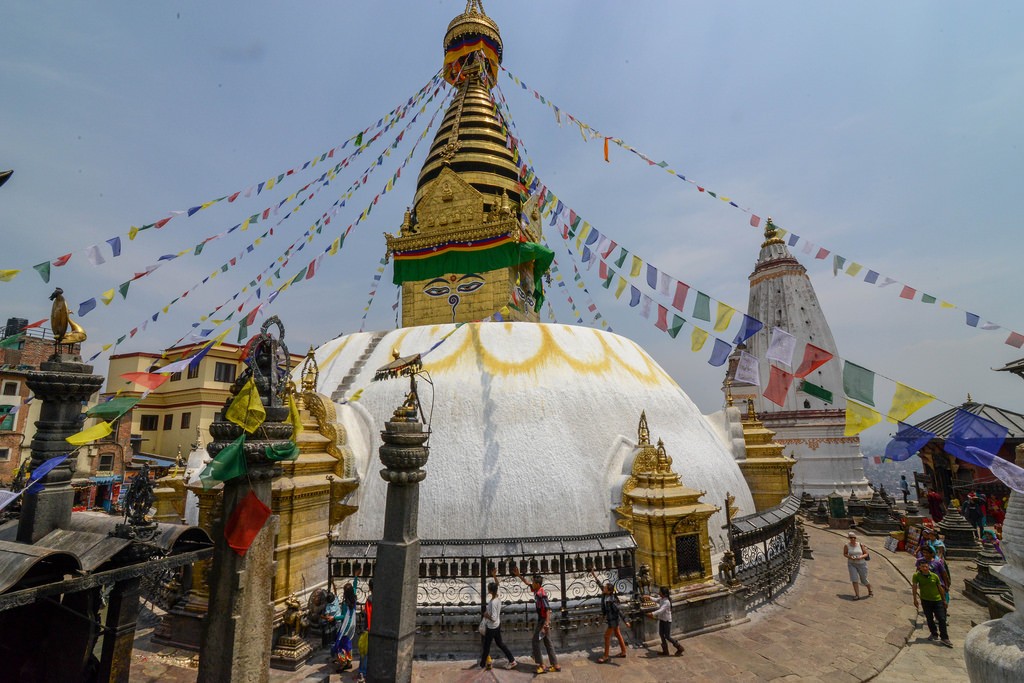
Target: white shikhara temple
column 808, row 425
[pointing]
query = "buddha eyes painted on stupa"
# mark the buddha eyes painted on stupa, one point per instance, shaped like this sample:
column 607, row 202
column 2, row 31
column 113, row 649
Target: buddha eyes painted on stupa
column 455, row 287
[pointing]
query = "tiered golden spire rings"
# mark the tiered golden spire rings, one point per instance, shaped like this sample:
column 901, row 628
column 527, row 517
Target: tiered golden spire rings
column 771, row 235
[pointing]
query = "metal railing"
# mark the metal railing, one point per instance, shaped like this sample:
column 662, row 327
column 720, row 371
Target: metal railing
column 768, row 550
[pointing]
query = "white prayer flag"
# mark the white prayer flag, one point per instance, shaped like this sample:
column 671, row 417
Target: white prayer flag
column 8, row 497
column 645, row 306
column 781, row 347
column 748, row 370
column 94, row 255
column 664, row 282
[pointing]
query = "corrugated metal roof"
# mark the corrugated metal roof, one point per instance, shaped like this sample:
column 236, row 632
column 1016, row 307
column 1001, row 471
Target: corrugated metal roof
column 942, row 424
column 92, row 550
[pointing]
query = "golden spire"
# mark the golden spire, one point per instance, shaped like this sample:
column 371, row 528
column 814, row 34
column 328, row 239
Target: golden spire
column 643, row 434
column 771, row 235
column 664, row 459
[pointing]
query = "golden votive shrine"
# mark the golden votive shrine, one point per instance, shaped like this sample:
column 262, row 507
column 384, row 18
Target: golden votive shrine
column 667, row 519
column 768, row 472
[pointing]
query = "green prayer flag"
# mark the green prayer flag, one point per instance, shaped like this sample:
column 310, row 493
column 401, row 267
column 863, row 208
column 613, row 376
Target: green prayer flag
column 288, row 451
column 114, row 408
column 12, row 341
column 44, row 270
column 677, row 325
column 224, row 268
column 622, row 257
column 927, row 299
column 702, row 307
column 124, row 289
column 243, row 331
column 227, row 464
column 359, row 139
column 859, row 383
column 199, row 248
column 816, row 391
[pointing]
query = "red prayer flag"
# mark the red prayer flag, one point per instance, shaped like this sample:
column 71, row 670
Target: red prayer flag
column 755, row 221
column 602, row 270
column 61, row 260
column 822, row 253
column 1015, row 339
column 147, row 379
column 814, row 358
column 245, row 522
column 908, row 292
column 662, row 323
column 680, row 299
column 606, row 149
column 778, row 385
column 35, row 324
column 162, row 222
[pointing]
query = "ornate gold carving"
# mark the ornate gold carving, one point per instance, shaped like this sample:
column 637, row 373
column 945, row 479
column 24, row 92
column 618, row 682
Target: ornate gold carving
column 323, row 411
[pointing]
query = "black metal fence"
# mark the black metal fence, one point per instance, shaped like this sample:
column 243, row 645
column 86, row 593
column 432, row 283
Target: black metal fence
column 768, row 548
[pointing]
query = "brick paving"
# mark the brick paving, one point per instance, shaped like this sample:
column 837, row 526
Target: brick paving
column 813, row 632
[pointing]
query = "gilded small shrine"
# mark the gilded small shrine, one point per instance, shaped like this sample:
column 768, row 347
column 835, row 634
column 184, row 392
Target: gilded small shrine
column 469, row 247
column 667, row 519
column 768, row 472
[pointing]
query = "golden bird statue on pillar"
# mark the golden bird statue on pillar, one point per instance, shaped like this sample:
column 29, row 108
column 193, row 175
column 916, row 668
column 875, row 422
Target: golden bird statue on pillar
column 65, row 330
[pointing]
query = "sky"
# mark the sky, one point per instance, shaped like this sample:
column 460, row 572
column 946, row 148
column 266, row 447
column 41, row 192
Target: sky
column 886, row 132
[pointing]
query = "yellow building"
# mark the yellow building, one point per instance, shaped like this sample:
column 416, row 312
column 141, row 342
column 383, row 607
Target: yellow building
column 168, row 417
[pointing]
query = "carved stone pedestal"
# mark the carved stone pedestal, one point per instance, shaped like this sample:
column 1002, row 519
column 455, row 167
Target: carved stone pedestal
column 290, row 652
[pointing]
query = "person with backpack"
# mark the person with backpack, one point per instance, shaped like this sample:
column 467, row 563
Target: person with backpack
column 492, row 626
column 612, row 614
column 542, row 630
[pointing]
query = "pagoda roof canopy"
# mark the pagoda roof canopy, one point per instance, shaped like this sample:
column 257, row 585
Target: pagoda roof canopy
column 942, row 424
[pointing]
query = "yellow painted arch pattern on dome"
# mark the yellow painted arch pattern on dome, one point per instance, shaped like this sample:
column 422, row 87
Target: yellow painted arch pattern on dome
column 549, row 352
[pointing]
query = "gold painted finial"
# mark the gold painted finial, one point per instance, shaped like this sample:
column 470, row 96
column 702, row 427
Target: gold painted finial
column 643, row 434
column 728, row 393
column 751, row 415
column 310, row 372
column 771, row 234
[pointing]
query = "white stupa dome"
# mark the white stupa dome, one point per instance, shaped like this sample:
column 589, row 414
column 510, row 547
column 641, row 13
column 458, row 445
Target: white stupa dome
column 534, row 428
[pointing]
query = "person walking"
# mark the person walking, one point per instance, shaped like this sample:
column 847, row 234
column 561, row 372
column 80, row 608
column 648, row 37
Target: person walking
column 857, row 557
column 542, row 630
column 904, row 488
column 974, row 513
column 363, row 643
column 663, row 613
column 935, row 501
column 612, row 614
column 926, row 584
column 342, row 650
column 492, row 623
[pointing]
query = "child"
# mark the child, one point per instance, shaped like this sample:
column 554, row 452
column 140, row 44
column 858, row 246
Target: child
column 612, row 613
column 664, row 616
column 933, row 599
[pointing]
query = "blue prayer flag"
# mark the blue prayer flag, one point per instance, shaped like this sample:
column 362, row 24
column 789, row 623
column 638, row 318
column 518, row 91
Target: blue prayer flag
column 750, row 327
column 720, row 353
column 907, row 441
column 973, row 431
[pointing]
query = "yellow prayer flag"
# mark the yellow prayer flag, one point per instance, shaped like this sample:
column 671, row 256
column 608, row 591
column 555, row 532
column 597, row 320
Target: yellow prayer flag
column 620, row 287
column 356, row 396
column 94, row 433
column 219, row 339
column 294, row 417
column 907, row 401
column 107, row 296
column 946, row 304
column 334, row 247
column 206, row 205
column 697, row 339
column 246, row 410
column 853, row 269
column 724, row 317
column 8, row 275
column 270, row 184
column 132, row 232
column 582, row 235
column 860, row 417
column 634, row 270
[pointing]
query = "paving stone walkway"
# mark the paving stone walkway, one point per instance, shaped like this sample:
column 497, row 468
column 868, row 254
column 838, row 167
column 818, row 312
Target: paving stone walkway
column 813, row 632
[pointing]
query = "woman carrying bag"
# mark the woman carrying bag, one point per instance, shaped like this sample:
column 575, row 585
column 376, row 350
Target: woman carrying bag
column 490, row 626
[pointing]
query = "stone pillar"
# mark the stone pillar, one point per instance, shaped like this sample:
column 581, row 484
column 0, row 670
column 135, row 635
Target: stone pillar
column 238, row 628
column 61, row 384
column 396, row 578
column 122, row 614
column 992, row 650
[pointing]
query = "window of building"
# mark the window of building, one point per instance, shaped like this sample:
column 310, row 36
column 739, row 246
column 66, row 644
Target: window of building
column 175, row 376
column 193, row 370
column 106, row 462
column 7, row 414
column 224, row 372
column 10, row 388
column 186, row 420
column 688, row 556
column 168, row 422
column 149, row 423
column 5, row 454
